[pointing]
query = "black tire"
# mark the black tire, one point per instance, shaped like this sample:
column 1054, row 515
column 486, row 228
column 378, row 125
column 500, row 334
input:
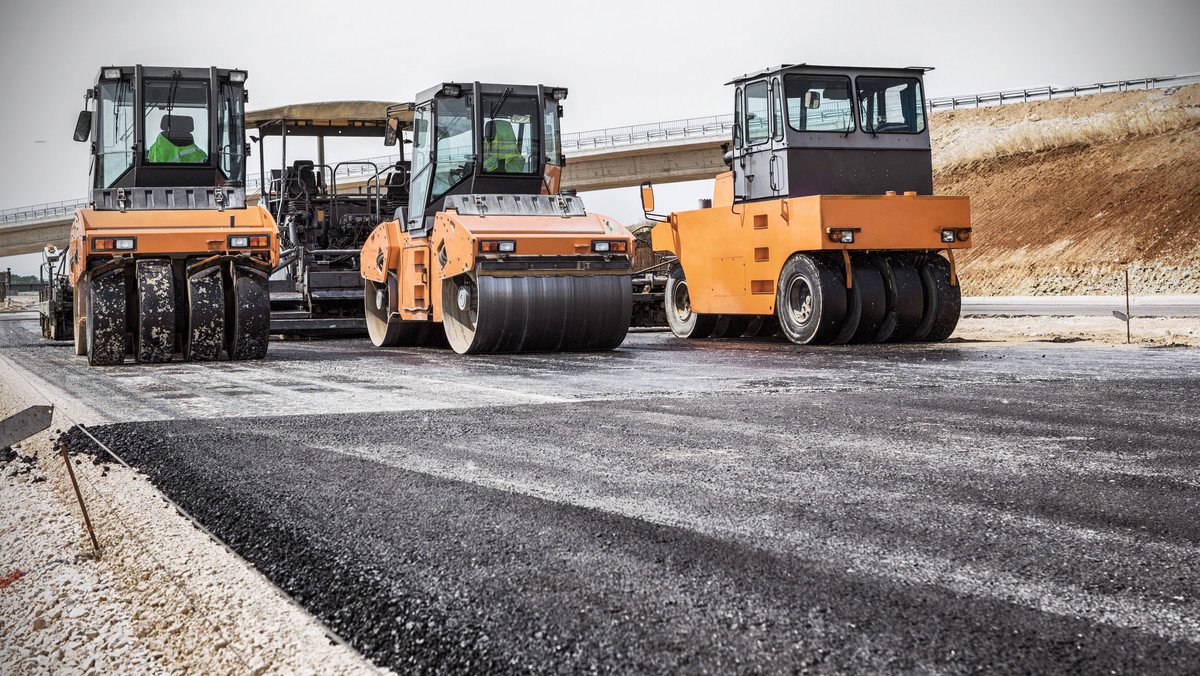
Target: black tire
column 79, row 305
column 205, row 335
column 810, row 300
column 905, row 299
column 383, row 330
column 105, row 320
column 247, row 314
column 730, row 326
column 762, row 326
column 867, row 303
column 678, row 304
column 943, row 302
column 154, row 340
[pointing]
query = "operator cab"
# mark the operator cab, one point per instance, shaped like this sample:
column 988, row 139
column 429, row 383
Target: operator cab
column 166, row 138
column 478, row 139
column 804, row 130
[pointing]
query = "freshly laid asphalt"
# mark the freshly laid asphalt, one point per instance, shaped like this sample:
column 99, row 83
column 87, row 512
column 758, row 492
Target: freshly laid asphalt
column 702, row 507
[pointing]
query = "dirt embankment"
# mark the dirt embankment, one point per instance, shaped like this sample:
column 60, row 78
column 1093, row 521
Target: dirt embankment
column 1067, row 194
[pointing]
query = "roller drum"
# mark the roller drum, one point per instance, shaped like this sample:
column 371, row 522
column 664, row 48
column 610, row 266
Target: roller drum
column 536, row 313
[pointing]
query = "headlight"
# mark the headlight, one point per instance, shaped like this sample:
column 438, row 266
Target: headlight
column 502, row 246
column 948, row 236
column 114, row 244
column 609, row 246
column 112, row 73
column 237, row 76
column 249, row 241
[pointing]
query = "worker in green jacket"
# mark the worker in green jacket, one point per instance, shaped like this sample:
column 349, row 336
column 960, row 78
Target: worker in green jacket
column 175, row 143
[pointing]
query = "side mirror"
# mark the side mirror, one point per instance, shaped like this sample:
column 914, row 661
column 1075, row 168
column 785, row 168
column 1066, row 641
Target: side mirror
column 647, row 197
column 392, row 131
column 812, row 100
column 83, row 126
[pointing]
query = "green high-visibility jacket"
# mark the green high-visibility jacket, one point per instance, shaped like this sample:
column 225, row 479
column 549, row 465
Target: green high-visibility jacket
column 165, row 151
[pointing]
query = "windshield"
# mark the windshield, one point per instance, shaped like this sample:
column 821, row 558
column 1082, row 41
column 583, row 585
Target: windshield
column 819, row 103
column 177, row 120
column 115, row 133
column 231, row 131
column 453, row 144
column 511, row 134
column 890, row 105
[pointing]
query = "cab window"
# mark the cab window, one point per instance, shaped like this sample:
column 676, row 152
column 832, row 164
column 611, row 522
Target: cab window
column 176, row 119
column 758, row 111
column 511, row 141
column 115, row 134
column 737, row 118
column 776, row 111
column 551, row 131
column 890, row 105
column 231, row 121
column 819, row 103
column 453, row 144
column 420, row 164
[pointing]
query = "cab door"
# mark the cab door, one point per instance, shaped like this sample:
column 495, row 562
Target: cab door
column 760, row 170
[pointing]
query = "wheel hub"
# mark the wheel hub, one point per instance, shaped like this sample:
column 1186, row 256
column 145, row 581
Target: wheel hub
column 379, row 299
column 800, row 301
column 682, row 302
column 464, row 297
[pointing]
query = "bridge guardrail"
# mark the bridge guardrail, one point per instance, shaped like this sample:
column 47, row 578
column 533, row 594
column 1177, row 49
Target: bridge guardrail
column 712, row 126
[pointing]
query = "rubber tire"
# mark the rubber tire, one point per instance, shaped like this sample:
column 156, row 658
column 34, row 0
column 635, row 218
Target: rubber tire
column 154, row 340
column 205, row 335
column 247, row 314
column 762, row 326
column 867, row 303
column 823, row 285
column 943, row 302
column 106, row 303
column 383, row 330
column 683, row 322
column 730, row 326
column 79, row 305
column 905, row 299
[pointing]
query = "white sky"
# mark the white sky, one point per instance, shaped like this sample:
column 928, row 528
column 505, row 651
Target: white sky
column 625, row 62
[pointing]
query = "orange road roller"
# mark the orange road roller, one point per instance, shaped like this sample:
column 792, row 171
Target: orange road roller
column 826, row 228
column 168, row 258
column 487, row 246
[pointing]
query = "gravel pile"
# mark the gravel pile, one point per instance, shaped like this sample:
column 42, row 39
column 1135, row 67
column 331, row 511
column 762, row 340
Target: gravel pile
column 161, row 598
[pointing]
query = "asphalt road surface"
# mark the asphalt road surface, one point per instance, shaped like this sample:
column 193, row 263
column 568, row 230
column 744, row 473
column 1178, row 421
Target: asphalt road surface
column 697, row 507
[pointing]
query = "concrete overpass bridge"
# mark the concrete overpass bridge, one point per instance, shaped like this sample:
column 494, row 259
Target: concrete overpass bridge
column 680, row 150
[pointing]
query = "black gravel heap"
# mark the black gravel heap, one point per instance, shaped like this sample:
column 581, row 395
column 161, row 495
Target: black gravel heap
column 429, row 575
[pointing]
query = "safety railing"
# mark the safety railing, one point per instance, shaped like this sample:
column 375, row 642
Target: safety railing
column 1048, row 92
column 38, row 211
column 697, row 127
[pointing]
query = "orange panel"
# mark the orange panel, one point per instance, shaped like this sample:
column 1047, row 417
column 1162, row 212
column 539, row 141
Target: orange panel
column 761, row 236
column 172, row 233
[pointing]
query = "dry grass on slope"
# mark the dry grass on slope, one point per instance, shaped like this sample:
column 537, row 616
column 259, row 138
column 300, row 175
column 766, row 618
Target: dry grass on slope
column 1037, row 135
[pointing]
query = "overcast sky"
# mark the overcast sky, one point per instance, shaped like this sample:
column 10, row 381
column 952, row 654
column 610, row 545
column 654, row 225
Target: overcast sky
column 625, row 62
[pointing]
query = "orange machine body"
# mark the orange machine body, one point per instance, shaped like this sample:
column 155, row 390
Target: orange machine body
column 171, row 234
column 733, row 255
column 417, row 265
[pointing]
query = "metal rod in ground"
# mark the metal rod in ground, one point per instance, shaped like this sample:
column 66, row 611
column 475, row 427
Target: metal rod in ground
column 79, row 496
column 1128, row 317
